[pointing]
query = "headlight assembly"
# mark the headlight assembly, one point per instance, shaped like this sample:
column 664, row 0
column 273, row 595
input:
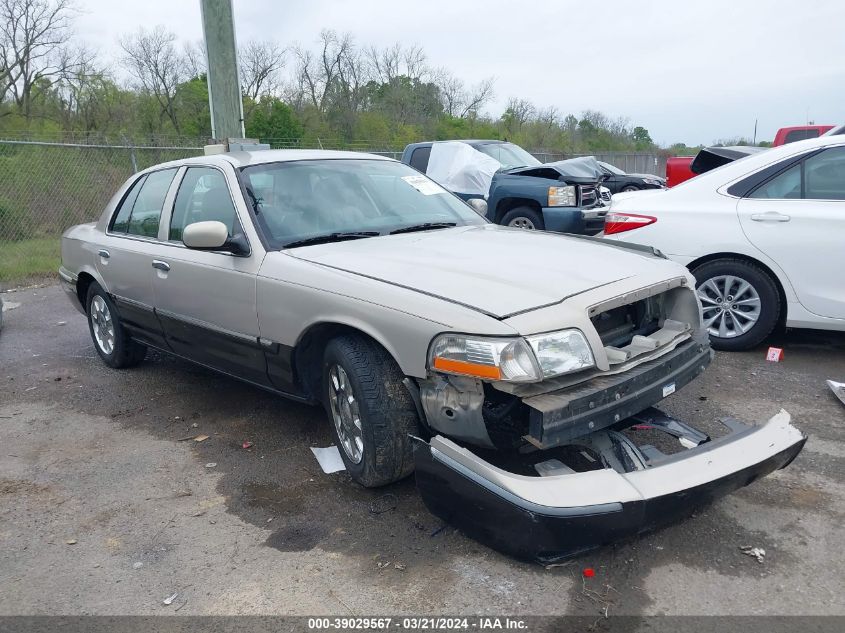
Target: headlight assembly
column 528, row 359
column 562, row 197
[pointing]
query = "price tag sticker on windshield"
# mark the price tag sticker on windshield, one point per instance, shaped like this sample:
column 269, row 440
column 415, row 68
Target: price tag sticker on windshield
column 425, row 186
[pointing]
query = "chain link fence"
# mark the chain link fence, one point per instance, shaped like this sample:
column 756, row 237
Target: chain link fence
column 48, row 186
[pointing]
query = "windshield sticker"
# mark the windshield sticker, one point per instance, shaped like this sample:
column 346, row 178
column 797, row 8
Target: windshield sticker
column 425, row 186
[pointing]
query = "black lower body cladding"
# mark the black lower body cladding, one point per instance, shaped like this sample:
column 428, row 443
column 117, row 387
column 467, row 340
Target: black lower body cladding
column 502, row 511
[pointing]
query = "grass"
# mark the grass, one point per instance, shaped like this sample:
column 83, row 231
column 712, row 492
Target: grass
column 26, row 260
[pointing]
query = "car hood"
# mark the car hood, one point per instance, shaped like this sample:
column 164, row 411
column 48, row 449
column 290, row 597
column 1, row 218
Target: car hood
column 581, row 170
column 492, row 269
column 649, row 176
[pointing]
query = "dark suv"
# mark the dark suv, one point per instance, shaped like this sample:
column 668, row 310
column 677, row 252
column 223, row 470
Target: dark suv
column 525, row 193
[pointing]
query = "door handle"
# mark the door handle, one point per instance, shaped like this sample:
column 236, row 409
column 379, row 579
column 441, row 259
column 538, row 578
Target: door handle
column 771, row 216
column 160, row 265
column 104, row 253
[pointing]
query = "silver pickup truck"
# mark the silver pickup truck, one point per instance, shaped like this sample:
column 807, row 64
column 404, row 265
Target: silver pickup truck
column 504, row 365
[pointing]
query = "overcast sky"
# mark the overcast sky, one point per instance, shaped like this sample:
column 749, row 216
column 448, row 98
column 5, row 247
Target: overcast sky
column 688, row 71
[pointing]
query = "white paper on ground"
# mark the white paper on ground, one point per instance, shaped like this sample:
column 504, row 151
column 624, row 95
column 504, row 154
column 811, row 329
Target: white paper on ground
column 329, row 459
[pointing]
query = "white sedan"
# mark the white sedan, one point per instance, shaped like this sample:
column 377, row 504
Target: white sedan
column 764, row 237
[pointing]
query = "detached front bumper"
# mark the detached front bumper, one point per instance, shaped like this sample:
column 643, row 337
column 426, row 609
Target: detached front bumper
column 547, row 518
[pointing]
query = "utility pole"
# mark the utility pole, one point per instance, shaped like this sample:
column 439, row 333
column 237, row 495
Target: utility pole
column 224, row 87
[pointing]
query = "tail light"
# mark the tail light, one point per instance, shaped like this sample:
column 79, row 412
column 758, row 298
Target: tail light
column 621, row 222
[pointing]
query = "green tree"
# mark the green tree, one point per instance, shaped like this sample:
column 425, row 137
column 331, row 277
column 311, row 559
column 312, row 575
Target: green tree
column 642, row 139
column 271, row 118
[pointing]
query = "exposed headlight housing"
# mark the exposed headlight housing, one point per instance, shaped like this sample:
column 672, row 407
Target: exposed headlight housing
column 528, row 359
column 561, row 352
column 562, row 197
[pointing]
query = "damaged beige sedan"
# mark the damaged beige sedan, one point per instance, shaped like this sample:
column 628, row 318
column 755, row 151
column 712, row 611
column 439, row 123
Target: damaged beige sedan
column 503, row 365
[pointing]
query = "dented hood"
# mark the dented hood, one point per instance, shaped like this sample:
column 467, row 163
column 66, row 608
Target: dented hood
column 492, row 269
column 581, row 170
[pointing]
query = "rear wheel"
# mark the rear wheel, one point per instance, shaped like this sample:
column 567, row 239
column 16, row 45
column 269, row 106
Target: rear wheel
column 371, row 411
column 524, row 218
column 111, row 340
column 740, row 303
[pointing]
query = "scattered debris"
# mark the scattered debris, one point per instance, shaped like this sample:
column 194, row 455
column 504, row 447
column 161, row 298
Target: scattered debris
column 400, row 566
column 838, row 389
column 137, row 565
column 439, row 530
column 182, row 605
column 200, row 438
column 702, row 398
column 384, row 503
column 775, row 354
column 71, row 541
column 62, row 323
column 329, row 459
column 211, row 464
column 247, row 444
column 588, row 572
column 169, row 600
column 10, row 305
column 194, row 425
column 177, row 418
column 757, row 552
column 198, row 514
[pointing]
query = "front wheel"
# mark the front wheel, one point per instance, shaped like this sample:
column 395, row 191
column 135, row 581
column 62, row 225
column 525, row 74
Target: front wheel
column 740, row 303
column 372, row 414
column 524, row 218
column 631, row 188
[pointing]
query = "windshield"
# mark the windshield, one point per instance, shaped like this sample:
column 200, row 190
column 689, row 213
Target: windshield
column 508, row 154
column 611, row 168
column 299, row 200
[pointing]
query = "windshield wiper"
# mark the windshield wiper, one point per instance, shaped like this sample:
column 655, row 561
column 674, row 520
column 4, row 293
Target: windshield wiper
column 332, row 237
column 423, row 227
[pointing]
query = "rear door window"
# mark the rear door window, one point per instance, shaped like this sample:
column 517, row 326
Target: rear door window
column 146, row 210
column 800, row 135
column 824, row 175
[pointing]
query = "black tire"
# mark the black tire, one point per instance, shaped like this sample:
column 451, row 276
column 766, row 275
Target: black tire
column 125, row 352
column 630, row 188
column 387, row 413
column 766, row 289
column 524, row 213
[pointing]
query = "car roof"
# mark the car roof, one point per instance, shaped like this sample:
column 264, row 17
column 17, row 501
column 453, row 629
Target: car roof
column 259, row 157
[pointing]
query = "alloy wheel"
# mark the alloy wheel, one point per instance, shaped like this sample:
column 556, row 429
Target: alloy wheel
column 345, row 414
column 730, row 305
column 522, row 223
column 103, row 325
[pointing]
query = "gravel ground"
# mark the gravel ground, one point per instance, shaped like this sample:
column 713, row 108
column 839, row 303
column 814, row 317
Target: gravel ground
column 107, row 508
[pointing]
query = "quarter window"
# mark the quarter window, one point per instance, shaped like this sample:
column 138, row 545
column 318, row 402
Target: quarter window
column 121, row 219
column 419, row 158
column 203, row 195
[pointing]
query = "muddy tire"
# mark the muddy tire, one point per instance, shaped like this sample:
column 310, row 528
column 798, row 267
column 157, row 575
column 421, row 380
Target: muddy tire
column 740, row 302
column 524, row 218
column 370, row 410
column 111, row 340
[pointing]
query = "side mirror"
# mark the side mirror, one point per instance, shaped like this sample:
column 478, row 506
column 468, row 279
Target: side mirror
column 478, row 205
column 212, row 235
column 205, row 235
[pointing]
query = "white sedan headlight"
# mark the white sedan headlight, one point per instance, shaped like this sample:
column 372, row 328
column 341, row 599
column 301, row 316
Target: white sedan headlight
column 528, row 359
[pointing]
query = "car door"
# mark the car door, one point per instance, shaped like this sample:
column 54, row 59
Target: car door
column 206, row 300
column 797, row 218
column 125, row 257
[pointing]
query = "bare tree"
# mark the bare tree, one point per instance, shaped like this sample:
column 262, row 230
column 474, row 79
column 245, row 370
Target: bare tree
column 34, row 50
column 195, row 59
column 386, row 64
column 158, row 67
column 260, row 66
column 457, row 99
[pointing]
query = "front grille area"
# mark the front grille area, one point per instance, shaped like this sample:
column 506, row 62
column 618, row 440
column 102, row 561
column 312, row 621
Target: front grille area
column 618, row 326
column 589, row 196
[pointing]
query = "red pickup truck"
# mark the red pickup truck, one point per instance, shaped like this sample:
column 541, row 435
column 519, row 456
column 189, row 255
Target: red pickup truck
column 678, row 167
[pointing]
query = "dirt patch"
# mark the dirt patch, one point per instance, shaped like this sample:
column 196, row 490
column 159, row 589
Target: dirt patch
column 22, row 487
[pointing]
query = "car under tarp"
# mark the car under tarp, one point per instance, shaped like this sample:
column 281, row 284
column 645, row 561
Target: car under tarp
column 461, row 168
